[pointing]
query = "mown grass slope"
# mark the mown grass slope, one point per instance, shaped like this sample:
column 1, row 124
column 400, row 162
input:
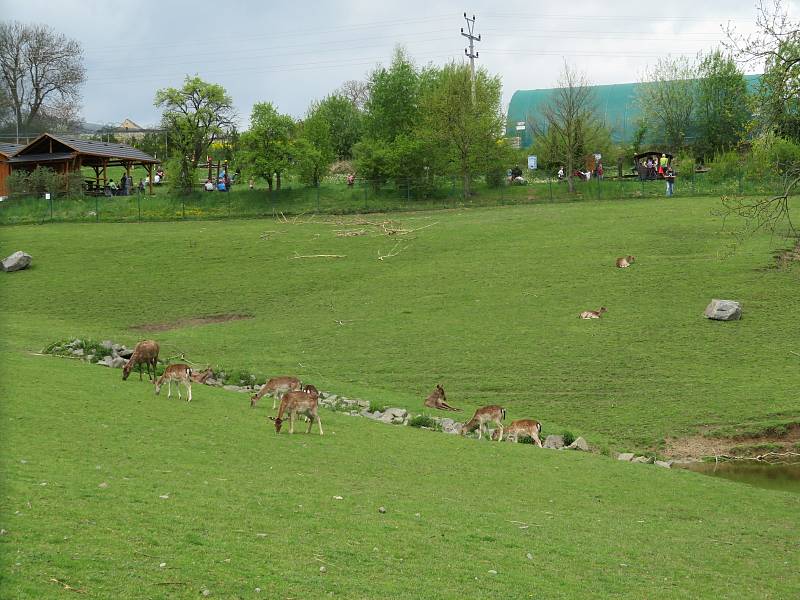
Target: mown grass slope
column 485, row 302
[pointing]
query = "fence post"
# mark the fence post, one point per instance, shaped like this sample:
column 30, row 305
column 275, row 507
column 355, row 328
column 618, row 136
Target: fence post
column 51, row 205
column 228, row 201
column 317, row 196
column 366, row 192
column 139, row 205
column 96, row 209
column 741, row 188
column 183, row 207
column 550, row 185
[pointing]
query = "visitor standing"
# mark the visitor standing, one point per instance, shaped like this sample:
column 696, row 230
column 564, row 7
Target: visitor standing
column 669, row 176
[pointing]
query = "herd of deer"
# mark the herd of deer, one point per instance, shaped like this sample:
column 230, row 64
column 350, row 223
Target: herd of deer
column 298, row 399
column 622, row 263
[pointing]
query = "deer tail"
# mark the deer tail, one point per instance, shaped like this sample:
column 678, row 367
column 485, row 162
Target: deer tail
column 503, row 413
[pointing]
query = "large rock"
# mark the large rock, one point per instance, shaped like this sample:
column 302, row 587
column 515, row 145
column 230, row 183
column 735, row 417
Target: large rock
column 579, row 444
column 125, row 352
column 397, row 413
column 554, row 442
column 106, row 361
column 626, row 456
column 667, row 464
column 723, row 310
column 118, row 362
column 17, row 261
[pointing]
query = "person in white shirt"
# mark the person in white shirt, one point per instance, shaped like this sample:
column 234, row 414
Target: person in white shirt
column 209, row 186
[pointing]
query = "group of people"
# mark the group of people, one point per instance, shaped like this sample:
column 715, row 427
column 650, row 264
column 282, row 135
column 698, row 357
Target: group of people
column 587, row 174
column 124, row 188
column 224, row 182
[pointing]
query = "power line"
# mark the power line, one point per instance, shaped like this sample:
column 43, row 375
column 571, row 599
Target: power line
column 470, row 35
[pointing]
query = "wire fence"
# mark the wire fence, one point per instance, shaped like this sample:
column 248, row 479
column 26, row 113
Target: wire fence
column 364, row 196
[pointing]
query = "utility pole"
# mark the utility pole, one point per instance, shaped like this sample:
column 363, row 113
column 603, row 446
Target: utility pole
column 470, row 35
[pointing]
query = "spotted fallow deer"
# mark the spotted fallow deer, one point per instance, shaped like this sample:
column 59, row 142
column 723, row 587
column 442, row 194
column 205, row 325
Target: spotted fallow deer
column 483, row 416
column 297, row 403
column 180, row 374
column 145, row 353
column 625, row 261
column 438, row 400
column 276, row 386
column 593, row 314
column 519, row 427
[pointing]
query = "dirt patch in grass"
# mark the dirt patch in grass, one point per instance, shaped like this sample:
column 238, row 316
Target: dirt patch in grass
column 191, row 322
column 699, row 446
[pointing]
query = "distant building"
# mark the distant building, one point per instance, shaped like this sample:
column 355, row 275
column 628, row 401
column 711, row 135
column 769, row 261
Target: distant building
column 129, row 130
column 616, row 106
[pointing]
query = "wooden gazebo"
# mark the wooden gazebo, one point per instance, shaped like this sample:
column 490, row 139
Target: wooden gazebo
column 66, row 154
column 6, row 152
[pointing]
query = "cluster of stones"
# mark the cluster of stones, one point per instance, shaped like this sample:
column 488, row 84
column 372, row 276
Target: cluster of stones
column 117, row 355
column 16, row 262
column 645, row 460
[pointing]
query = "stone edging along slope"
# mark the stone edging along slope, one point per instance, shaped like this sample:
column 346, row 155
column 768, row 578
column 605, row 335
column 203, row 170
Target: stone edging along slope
column 112, row 355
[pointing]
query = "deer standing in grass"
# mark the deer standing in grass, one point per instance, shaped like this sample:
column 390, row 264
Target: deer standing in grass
column 625, row 262
column 593, row 314
column 297, row 403
column 483, row 416
column 145, row 352
column 438, row 400
column 180, row 374
column 276, row 386
column 519, row 427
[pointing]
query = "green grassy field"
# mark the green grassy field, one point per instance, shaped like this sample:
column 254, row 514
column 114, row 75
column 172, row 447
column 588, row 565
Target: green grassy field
column 485, row 302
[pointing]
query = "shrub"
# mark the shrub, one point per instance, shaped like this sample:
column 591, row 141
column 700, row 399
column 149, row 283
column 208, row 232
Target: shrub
column 422, row 421
column 375, row 407
column 569, row 437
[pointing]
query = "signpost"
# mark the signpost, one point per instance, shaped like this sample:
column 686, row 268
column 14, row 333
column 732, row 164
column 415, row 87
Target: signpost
column 532, row 162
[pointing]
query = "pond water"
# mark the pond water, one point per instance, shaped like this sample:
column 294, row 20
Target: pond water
column 774, row 477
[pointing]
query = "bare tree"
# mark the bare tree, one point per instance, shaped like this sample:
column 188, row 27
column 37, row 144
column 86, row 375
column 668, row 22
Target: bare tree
column 775, row 47
column 42, row 72
column 666, row 97
column 355, row 91
column 568, row 123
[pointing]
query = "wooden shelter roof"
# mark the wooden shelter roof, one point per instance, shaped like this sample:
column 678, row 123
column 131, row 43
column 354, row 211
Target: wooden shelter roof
column 92, row 153
column 10, row 149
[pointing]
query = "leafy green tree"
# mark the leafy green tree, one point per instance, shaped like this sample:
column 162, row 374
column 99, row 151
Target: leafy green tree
column 194, row 116
column 392, row 108
column 345, row 124
column 313, row 150
column 667, row 100
column 722, row 105
column 462, row 136
column 267, row 145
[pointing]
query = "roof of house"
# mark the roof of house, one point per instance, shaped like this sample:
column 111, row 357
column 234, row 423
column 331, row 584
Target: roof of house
column 121, row 153
column 10, row 149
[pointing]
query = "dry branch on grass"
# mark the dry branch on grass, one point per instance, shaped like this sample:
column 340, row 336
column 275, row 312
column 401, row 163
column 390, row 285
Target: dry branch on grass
column 387, row 227
column 350, row 233
column 296, row 255
column 393, row 252
column 67, row 586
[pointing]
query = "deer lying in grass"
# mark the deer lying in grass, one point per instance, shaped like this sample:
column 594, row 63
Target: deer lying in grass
column 180, row 374
column 438, row 400
column 294, row 403
column 276, row 386
column 202, row 376
column 593, row 314
column 625, row 261
column 519, row 427
column 145, row 352
column 483, row 416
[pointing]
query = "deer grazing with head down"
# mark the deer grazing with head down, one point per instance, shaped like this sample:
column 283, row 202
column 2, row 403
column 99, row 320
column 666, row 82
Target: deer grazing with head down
column 180, row 374
column 483, row 416
column 276, row 386
column 145, row 353
column 297, row 403
column 519, row 427
column 593, row 314
column 438, row 400
column 625, row 261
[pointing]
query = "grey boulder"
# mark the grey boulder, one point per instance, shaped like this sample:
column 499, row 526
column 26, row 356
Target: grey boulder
column 17, row 261
column 723, row 310
column 579, row 444
column 625, row 456
column 554, row 442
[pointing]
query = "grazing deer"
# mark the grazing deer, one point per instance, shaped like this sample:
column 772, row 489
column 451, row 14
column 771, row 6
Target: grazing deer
column 593, row 314
column 625, row 261
column 487, row 414
column 145, row 352
column 294, row 403
column 276, row 386
column 438, row 400
column 519, row 427
column 180, row 374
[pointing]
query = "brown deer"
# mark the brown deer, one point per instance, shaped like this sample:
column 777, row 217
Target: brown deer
column 311, row 390
column 593, row 314
column 294, row 403
column 519, row 427
column 438, row 400
column 487, row 414
column 180, row 374
column 145, row 352
column 202, row 376
column 276, row 386
column 625, row 262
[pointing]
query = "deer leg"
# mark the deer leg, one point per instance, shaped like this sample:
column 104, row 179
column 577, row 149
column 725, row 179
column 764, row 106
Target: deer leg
column 178, row 387
column 500, row 439
column 140, row 371
column 480, row 430
column 291, row 422
column 274, row 398
column 169, row 389
column 536, row 439
column 310, row 423
column 319, row 423
column 189, row 390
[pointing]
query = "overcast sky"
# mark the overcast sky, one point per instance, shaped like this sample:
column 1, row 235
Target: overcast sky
column 291, row 53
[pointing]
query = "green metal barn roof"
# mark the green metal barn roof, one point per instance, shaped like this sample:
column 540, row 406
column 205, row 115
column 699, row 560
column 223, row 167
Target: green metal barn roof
column 616, row 106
